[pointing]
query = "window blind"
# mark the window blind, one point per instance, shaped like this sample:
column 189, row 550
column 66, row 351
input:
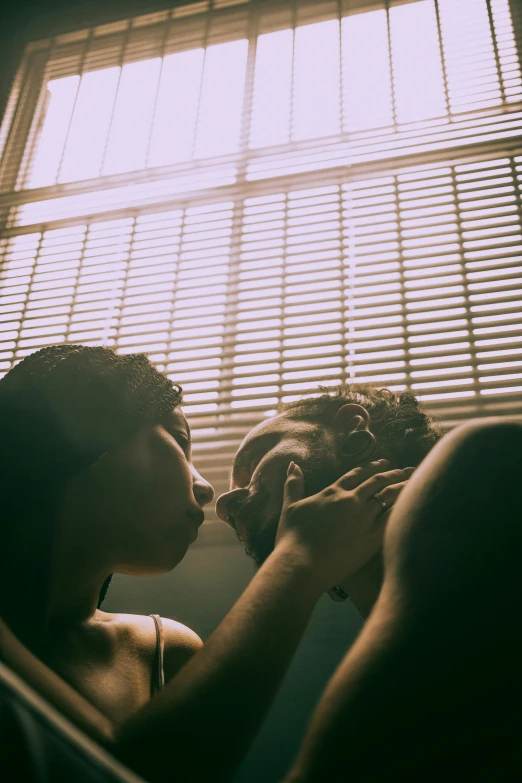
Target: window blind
column 268, row 196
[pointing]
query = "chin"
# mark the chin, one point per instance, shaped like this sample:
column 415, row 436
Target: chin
column 175, row 544
column 170, row 560
column 260, row 544
column 158, row 562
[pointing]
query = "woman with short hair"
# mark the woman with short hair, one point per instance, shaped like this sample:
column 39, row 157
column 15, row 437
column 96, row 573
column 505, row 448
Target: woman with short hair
column 96, row 477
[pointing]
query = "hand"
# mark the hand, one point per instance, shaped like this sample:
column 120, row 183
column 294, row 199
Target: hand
column 339, row 530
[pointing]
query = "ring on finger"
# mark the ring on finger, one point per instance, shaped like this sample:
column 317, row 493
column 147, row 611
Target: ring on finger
column 379, row 500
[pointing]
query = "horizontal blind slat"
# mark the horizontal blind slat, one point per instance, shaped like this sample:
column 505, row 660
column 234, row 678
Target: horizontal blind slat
column 382, row 246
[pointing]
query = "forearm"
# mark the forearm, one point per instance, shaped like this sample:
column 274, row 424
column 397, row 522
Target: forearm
column 202, row 724
column 347, row 737
column 364, row 586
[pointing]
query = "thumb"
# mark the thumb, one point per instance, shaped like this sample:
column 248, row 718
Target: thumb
column 294, row 485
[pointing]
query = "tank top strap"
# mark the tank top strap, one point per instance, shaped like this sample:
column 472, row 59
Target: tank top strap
column 158, row 676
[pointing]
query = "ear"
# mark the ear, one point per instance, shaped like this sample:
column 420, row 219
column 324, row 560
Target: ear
column 351, row 417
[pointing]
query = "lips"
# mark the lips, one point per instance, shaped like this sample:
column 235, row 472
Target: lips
column 197, row 516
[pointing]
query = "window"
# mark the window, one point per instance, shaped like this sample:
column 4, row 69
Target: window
column 268, row 196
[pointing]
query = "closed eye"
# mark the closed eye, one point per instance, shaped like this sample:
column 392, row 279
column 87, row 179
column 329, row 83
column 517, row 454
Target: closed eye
column 255, row 459
column 183, row 440
column 244, row 467
column 248, row 458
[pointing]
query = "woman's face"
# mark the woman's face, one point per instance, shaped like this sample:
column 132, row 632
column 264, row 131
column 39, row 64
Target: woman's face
column 141, row 504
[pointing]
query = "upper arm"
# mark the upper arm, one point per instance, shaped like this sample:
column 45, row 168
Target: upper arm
column 180, row 645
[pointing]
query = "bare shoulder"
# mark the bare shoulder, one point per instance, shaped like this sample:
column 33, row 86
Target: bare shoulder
column 181, row 643
column 139, row 631
column 179, row 635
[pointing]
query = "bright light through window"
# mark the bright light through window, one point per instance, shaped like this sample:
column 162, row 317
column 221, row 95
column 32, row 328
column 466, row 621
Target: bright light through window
column 316, row 81
column 367, row 94
column 417, row 67
column 176, row 111
column 83, row 155
column 190, row 104
column 339, row 198
column 131, row 121
column 146, row 113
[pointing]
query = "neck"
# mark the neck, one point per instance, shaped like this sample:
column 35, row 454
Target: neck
column 364, row 586
column 79, row 570
column 71, row 603
column 65, row 596
column 74, row 596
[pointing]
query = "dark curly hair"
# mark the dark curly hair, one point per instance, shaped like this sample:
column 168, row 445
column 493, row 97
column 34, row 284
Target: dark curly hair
column 404, row 432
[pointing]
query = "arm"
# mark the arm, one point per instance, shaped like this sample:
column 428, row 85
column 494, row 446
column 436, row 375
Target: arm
column 364, row 725
column 200, row 727
column 203, row 723
column 364, row 586
column 181, row 643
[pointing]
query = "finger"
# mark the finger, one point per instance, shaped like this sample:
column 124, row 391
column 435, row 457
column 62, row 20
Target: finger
column 294, row 485
column 359, row 474
column 381, row 480
column 390, row 494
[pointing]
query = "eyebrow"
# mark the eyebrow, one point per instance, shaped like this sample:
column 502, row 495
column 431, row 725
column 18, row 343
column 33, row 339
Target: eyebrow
column 185, row 431
column 180, row 424
column 241, row 460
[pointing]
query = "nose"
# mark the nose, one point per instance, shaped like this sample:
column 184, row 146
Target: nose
column 228, row 504
column 203, row 491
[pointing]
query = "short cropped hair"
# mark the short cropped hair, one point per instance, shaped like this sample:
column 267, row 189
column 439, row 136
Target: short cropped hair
column 61, row 409
column 404, row 432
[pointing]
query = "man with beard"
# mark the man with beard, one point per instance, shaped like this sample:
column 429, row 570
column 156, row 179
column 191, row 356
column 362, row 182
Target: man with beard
column 433, row 684
column 432, row 687
column 326, row 436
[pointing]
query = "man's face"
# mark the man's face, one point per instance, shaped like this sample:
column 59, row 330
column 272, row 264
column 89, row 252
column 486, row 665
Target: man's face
column 253, row 504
